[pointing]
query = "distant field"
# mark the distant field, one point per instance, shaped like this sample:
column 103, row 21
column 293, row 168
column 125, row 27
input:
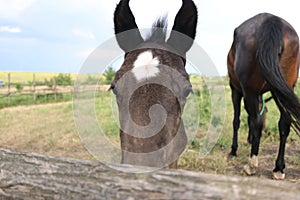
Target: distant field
column 25, row 77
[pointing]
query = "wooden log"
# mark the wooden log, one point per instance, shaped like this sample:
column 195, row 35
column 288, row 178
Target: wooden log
column 33, row 176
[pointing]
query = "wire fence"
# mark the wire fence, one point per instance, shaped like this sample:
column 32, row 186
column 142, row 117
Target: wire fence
column 36, row 91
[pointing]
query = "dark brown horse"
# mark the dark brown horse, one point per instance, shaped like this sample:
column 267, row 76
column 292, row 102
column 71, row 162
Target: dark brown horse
column 264, row 57
column 152, row 85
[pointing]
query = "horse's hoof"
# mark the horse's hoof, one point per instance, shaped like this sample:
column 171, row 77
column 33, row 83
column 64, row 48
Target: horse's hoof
column 232, row 154
column 249, row 170
column 278, row 175
column 252, row 165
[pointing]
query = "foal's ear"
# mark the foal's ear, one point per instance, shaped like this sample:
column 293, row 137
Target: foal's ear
column 126, row 30
column 185, row 23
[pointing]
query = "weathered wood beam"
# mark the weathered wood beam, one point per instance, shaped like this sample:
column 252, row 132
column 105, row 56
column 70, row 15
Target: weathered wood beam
column 33, row 176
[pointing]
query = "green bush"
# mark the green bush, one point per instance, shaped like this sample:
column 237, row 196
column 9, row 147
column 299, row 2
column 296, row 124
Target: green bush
column 19, row 87
column 109, row 75
column 63, row 79
column 47, row 82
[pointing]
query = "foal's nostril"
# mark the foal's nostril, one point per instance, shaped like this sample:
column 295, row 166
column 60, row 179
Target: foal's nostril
column 113, row 88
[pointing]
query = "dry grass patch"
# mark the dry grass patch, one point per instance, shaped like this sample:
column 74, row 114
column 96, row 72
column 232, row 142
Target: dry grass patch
column 47, row 129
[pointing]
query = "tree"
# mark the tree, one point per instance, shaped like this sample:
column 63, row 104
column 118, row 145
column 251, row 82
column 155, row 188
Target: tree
column 109, row 75
column 63, row 79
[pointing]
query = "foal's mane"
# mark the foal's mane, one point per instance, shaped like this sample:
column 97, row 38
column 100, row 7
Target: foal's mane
column 159, row 31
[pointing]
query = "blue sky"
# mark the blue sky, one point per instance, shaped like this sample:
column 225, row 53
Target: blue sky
column 57, row 36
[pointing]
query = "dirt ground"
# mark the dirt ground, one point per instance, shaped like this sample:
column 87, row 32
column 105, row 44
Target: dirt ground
column 267, row 158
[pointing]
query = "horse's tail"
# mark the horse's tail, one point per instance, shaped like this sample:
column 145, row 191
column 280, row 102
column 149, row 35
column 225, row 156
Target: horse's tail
column 270, row 47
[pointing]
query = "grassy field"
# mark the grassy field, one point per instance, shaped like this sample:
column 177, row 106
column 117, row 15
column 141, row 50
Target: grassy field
column 49, row 129
column 25, row 77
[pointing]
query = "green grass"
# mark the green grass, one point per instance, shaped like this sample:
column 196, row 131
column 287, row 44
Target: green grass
column 27, row 99
column 106, row 116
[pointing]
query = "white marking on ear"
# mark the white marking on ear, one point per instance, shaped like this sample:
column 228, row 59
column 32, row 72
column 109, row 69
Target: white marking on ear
column 145, row 66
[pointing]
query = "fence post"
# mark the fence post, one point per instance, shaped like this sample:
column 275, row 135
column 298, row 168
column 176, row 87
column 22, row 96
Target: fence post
column 8, row 90
column 54, row 88
column 34, row 92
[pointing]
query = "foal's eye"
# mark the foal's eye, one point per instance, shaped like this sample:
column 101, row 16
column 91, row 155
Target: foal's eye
column 187, row 91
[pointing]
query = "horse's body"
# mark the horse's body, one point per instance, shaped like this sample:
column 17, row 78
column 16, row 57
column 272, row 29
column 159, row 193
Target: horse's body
column 264, row 57
column 151, row 87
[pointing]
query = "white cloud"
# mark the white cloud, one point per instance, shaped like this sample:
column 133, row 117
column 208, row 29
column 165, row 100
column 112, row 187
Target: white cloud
column 13, row 8
column 85, row 53
column 83, row 34
column 147, row 12
column 9, row 29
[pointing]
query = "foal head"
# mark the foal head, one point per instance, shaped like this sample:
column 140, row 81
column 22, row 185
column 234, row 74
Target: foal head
column 152, row 85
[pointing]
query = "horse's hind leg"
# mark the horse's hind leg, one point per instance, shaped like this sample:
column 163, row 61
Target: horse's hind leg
column 284, row 130
column 255, row 127
column 236, row 97
column 263, row 118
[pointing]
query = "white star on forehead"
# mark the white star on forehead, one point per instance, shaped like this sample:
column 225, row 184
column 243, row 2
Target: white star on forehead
column 145, row 66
